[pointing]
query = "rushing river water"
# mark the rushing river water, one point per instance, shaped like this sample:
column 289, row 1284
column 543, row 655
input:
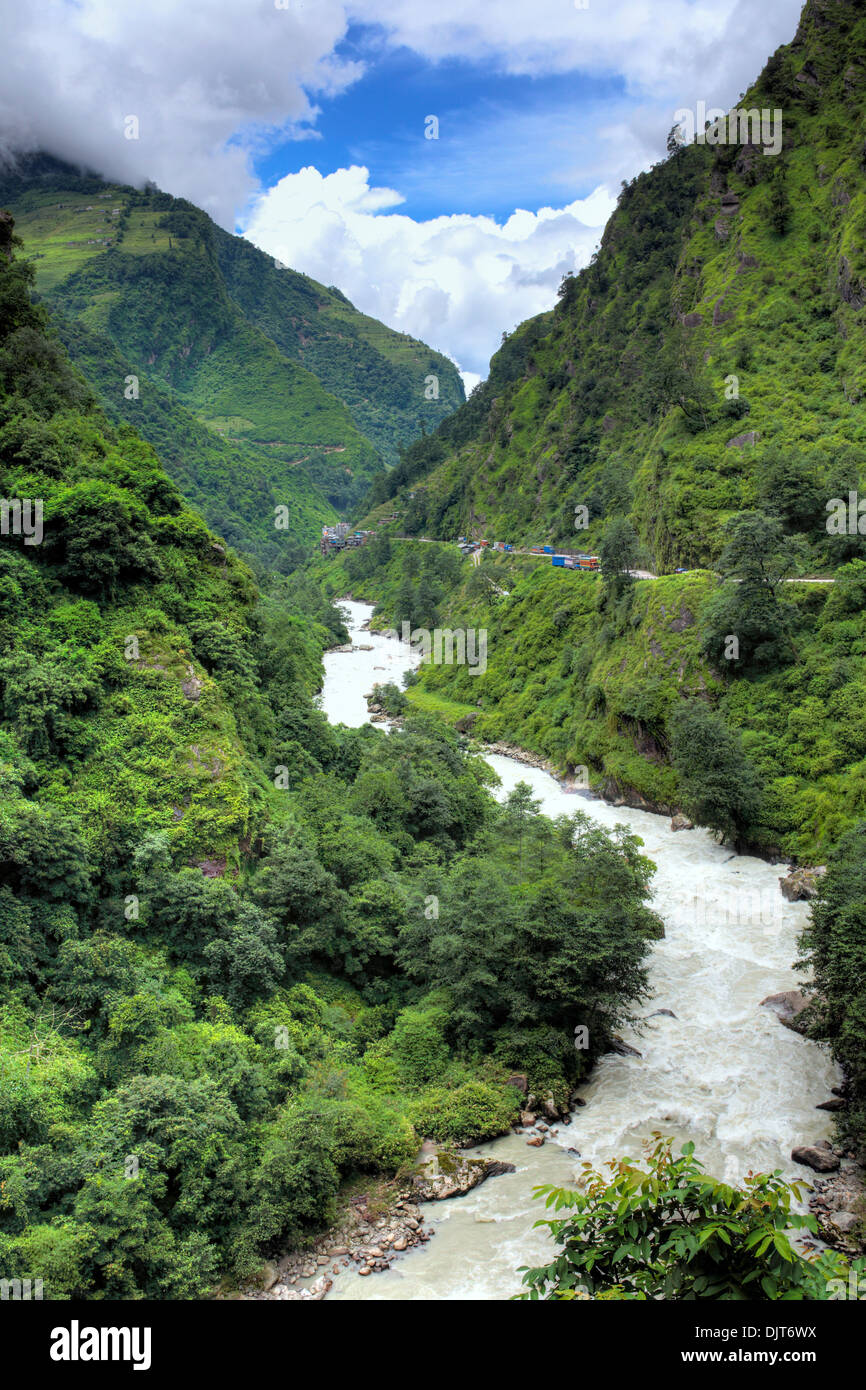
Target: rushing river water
column 723, row 1072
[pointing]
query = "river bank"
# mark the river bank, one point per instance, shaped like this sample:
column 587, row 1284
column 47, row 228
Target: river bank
column 706, row 1062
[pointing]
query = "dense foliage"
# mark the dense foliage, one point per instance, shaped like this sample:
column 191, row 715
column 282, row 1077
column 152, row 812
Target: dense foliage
column 244, row 955
column 834, row 947
column 259, row 387
column 668, row 1231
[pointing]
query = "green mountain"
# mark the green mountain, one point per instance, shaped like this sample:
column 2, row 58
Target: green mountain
column 259, row 387
column 722, row 262
column 222, row 992
column 698, row 389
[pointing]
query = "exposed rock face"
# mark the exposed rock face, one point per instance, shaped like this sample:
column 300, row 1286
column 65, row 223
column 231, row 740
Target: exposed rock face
column 839, row 1203
column 789, row 1006
column 817, row 1157
column 192, row 686
column 740, row 441
column 212, row 868
column 801, row 884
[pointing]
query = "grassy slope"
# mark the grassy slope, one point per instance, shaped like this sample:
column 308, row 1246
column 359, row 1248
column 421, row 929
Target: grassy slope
column 302, row 396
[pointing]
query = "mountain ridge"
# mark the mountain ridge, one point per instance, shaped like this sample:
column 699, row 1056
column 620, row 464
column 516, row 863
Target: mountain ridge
column 258, row 355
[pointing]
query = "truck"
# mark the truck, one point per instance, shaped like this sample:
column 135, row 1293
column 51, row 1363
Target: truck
column 547, row 550
column 558, row 560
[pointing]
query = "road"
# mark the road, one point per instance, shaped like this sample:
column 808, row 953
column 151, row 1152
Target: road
column 635, row 574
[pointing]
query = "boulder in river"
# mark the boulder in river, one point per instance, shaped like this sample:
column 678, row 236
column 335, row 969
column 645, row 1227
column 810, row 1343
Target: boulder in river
column 800, row 884
column 447, row 1174
column 789, row 1006
column 822, row 1160
column 844, row 1221
column 681, row 822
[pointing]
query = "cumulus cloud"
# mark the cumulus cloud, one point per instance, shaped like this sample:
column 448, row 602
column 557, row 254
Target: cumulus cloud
column 454, row 281
column 210, row 84
column 214, row 83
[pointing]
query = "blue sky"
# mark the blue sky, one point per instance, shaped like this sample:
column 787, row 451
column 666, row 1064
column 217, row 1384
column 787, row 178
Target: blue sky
column 300, row 124
column 505, row 141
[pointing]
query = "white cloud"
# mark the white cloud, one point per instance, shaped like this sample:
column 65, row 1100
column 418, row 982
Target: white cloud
column 213, row 82
column 210, row 83
column 454, row 281
column 683, row 44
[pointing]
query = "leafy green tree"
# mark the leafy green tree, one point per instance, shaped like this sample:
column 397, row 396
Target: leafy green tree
column 780, row 203
column 756, row 563
column 718, row 785
column 619, row 551
column 834, row 952
column 669, row 1231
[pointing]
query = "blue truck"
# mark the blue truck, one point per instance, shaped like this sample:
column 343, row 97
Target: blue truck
column 558, row 560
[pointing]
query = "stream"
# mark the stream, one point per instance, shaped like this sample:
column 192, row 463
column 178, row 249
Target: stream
column 723, row 1071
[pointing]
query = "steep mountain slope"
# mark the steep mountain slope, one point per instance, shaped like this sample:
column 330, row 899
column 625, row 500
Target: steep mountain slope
column 303, row 398
column 720, row 263
column 701, row 382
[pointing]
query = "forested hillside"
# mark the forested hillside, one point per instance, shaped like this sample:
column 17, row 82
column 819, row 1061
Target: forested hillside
column 258, row 386
column 708, row 361
column 696, row 397
column 224, row 993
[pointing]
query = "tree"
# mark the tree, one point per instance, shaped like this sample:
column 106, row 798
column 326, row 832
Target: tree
column 669, row 1231
column 780, row 203
column 834, row 951
column 718, row 785
column 756, row 562
column 618, row 552
column 675, row 375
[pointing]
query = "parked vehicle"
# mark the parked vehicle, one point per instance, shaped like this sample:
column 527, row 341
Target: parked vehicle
column 547, row 550
column 558, row 560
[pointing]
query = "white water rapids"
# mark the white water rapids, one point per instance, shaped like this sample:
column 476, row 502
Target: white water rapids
column 723, row 1072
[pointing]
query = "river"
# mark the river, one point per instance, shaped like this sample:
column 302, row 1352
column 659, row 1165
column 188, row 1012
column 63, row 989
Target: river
column 723, row 1072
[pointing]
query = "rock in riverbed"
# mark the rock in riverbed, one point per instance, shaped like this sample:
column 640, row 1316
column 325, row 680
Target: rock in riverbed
column 801, row 884
column 444, row 1174
column 788, row 1006
column 819, row 1156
